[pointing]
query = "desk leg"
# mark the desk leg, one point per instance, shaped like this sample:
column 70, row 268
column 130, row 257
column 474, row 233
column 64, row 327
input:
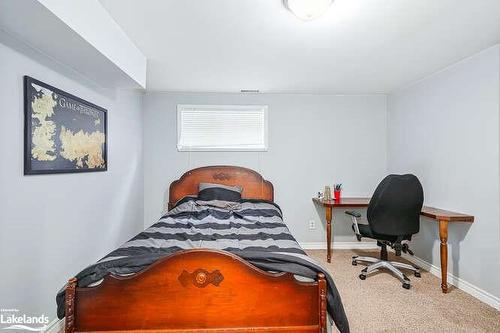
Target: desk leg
column 443, row 236
column 329, row 233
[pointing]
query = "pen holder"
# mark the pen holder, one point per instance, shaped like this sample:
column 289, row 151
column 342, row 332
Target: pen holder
column 336, row 195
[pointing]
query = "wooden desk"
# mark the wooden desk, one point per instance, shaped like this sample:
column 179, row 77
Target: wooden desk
column 443, row 217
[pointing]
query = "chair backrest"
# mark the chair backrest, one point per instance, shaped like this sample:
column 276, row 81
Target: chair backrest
column 395, row 206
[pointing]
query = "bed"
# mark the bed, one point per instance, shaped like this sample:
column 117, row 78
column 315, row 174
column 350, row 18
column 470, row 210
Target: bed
column 206, row 268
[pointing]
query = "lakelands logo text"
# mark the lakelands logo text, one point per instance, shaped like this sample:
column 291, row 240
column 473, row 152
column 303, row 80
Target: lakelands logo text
column 12, row 319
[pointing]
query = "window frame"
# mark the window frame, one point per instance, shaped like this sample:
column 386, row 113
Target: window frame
column 222, row 107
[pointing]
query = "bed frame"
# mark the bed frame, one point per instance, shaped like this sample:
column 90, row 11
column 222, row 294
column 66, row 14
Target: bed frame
column 206, row 291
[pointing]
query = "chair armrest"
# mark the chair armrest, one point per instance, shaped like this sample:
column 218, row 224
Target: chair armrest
column 353, row 213
column 354, row 217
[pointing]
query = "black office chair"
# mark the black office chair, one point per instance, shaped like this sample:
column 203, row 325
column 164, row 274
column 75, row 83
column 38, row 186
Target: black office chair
column 393, row 217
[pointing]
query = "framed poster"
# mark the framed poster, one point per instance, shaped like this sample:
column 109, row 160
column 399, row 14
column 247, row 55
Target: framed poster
column 62, row 133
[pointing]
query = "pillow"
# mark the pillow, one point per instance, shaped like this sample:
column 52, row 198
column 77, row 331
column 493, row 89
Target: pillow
column 209, row 191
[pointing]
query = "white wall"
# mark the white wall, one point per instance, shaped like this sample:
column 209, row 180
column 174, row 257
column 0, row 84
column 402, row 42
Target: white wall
column 445, row 129
column 313, row 140
column 52, row 226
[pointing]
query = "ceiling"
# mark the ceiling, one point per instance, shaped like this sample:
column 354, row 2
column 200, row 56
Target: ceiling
column 357, row 47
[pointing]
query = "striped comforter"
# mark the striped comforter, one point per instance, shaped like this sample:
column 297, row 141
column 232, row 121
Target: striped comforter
column 251, row 229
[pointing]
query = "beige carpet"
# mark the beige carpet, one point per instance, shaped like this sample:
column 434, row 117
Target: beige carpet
column 380, row 304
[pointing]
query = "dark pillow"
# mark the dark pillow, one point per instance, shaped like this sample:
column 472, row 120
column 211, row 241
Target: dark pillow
column 209, row 191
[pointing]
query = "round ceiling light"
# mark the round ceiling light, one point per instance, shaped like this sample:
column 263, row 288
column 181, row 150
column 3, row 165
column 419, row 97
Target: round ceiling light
column 307, row 9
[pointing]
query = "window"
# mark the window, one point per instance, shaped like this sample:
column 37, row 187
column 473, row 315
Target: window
column 221, row 127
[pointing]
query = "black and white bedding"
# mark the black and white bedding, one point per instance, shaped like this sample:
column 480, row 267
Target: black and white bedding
column 251, row 229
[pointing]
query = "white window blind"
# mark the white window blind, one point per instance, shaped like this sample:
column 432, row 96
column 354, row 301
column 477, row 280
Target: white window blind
column 221, row 127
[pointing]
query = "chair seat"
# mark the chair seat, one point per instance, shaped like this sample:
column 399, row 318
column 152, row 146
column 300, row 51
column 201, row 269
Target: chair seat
column 366, row 231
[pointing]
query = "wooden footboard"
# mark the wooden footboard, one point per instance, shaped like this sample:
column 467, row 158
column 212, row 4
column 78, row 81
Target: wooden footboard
column 198, row 291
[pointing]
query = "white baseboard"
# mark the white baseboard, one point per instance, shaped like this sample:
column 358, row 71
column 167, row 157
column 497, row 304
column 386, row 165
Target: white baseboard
column 55, row 326
column 339, row 245
column 461, row 284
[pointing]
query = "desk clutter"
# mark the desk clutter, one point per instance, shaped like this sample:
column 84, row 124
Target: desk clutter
column 327, row 194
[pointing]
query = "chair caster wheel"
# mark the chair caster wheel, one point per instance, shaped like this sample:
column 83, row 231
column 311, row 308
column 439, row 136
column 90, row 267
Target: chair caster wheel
column 417, row 274
column 362, row 276
column 354, row 263
column 406, row 285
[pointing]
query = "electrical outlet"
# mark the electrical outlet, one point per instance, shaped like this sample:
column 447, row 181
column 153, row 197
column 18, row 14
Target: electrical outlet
column 312, row 225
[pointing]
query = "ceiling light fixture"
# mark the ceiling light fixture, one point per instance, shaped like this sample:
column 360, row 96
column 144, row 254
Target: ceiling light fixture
column 307, row 10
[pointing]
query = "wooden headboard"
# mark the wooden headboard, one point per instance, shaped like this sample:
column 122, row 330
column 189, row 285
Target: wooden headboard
column 254, row 186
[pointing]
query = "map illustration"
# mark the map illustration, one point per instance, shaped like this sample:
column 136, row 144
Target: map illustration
column 63, row 132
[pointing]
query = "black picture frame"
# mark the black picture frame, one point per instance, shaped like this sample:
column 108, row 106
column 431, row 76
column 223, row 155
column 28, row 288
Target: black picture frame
column 29, row 169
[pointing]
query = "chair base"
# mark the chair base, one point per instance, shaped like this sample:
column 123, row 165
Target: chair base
column 392, row 266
